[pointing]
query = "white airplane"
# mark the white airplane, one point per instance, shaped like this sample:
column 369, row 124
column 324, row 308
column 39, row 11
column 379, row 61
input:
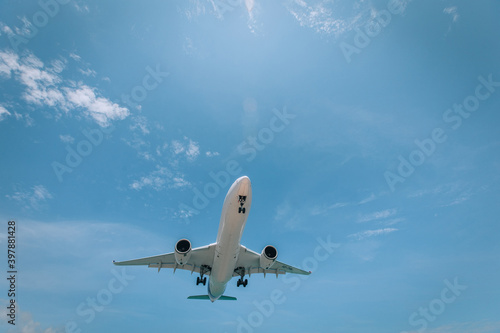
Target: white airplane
column 226, row 257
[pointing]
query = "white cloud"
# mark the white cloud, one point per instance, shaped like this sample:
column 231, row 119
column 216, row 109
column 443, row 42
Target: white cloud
column 3, row 113
column 81, row 8
column 44, row 86
column 26, row 118
column 453, row 11
column 75, row 56
column 377, row 215
column 197, row 9
column 58, row 65
column 188, row 46
column 8, row 63
column 366, row 200
column 325, row 16
column 190, row 148
column 321, row 210
column 99, row 108
column 193, row 150
column 212, row 153
column 66, row 138
column 177, row 147
column 464, row 196
column 6, row 29
column 87, row 72
column 140, row 123
column 179, row 182
column 160, row 179
column 35, row 198
column 370, row 233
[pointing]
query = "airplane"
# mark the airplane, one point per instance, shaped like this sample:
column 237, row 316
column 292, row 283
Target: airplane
column 226, row 258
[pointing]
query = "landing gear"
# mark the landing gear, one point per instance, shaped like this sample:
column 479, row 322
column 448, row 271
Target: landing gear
column 241, row 272
column 241, row 282
column 241, row 200
column 200, row 279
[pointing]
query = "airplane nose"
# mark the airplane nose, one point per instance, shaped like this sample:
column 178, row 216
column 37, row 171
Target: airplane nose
column 244, row 186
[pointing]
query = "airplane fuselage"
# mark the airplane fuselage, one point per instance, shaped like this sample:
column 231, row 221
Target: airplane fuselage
column 232, row 222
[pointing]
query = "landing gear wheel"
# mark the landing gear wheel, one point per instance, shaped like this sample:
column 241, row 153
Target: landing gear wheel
column 198, row 280
column 241, row 282
column 204, row 281
column 243, row 210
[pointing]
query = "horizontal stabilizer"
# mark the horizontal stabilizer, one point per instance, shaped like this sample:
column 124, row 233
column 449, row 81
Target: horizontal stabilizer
column 227, row 298
column 222, row 298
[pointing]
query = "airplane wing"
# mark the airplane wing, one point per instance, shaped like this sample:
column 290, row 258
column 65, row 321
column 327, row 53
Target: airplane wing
column 201, row 259
column 250, row 261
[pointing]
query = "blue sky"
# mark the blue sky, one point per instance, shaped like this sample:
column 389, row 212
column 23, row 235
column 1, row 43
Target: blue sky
column 369, row 130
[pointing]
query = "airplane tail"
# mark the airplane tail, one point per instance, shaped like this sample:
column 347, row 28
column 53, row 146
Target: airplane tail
column 222, row 298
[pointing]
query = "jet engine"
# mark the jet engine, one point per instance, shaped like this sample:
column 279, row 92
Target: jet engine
column 268, row 256
column 182, row 251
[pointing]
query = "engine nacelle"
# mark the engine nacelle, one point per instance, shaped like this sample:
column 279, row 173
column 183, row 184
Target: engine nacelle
column 268, row 256
column 182, row 251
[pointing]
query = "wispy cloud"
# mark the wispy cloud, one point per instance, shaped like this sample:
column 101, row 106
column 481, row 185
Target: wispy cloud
column 371, row 233
column 34, row 198
column 450, row 194
column 75, row 56
column 3, row 113
column 383, row 214
column 368, row 199
column 287, row 216
column 453, row 11
column 321, row 210
column 140, row 123
column 328, row 17
column 99, row 108
column 212, row 153
column 461, row 198
column 88, row 72
column 44, row 86
column 160, row 179
column 66, row 138
column 188, row 147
